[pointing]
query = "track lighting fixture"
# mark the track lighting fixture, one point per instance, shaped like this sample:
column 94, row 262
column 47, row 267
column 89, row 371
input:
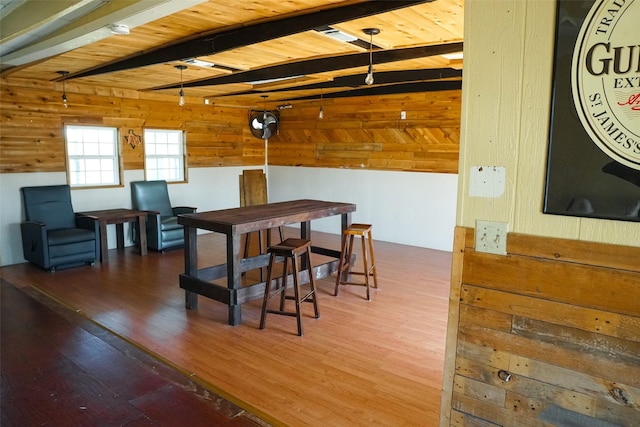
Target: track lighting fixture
column 371, row 32
column 181, row 68
column 64, row 89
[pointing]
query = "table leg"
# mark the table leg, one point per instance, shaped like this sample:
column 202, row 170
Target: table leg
column 104, row 247
column 142, row 234
column 190, row 263
column 345, row 223
column 305, row 233
column 305, row 230
column 120, row 235
column 234, row 277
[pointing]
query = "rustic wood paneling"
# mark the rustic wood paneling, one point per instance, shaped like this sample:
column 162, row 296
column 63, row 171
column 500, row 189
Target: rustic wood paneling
column 561, row 317
column 32, row 119
column 355, row 132
column 367, row 133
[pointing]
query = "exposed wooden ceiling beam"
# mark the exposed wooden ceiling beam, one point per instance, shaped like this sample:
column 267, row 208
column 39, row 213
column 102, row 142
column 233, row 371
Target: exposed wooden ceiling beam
column 381, row 78
column 215, row 42
column 321, row 65
column 399, row 80
column 390, row 89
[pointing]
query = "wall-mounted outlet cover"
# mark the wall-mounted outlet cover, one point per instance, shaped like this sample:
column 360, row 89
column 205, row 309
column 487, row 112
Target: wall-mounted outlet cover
column 403, row 115
column 491, row 237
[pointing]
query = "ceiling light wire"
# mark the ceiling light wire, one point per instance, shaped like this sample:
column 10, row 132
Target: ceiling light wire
column 181, row 68
column 65, row 101
column 368, row 80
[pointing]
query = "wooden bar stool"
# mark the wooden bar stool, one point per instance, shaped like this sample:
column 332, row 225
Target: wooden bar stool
column 346, row 260
column 290, row 250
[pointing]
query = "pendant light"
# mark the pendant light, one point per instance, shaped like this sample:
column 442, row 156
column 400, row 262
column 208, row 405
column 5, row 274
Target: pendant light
column 181, row 68
column 321, row 113
column 371, row 32
column 64, row 89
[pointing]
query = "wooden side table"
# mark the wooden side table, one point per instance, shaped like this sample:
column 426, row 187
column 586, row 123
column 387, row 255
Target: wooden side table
column 118, row 217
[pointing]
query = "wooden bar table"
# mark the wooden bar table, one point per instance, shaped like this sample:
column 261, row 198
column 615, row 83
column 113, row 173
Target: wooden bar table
column 118, row 217
column 233, row 223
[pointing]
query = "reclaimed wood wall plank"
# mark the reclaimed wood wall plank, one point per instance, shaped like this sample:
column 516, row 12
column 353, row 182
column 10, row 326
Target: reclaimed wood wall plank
column 559, row 319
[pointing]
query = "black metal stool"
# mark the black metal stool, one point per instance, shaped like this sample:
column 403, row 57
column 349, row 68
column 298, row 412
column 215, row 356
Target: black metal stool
column 346, row 261
column 290, row 249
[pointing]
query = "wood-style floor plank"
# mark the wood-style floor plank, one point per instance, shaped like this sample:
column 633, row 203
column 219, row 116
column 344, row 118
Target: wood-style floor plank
column 362, row 362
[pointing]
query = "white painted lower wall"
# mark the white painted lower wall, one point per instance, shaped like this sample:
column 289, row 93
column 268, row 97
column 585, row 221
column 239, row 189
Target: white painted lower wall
column 410, row 208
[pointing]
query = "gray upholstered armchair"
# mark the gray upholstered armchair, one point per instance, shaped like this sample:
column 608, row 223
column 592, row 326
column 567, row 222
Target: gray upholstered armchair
column 53, row 236
column 163, row 230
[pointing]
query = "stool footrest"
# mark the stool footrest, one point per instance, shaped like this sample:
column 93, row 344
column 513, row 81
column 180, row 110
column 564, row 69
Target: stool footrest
column 283, row 313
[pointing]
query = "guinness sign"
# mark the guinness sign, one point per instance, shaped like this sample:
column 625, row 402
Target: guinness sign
column 605, row 76
column 593, row 161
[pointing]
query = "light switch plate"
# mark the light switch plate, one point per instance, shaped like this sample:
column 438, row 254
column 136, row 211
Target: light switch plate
column 491, row 237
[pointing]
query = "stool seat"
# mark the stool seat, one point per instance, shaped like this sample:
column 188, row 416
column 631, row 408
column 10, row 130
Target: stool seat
column 289, row 250
column 346, row 264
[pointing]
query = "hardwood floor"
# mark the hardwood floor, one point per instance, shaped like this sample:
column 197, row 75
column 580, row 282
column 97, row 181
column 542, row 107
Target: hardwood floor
column 362, row 362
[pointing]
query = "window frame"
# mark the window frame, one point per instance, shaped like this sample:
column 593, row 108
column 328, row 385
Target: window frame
column 182, row 156
column 116, row 158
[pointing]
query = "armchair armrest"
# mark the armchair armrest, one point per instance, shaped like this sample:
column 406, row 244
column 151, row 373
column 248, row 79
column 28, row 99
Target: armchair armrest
column 87, row 222
column 177, row 210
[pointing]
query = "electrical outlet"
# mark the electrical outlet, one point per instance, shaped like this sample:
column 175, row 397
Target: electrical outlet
column 491, row 237
column 403, row 115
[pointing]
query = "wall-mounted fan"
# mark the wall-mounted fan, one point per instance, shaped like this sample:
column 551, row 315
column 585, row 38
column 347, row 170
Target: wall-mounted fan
column 263, row 124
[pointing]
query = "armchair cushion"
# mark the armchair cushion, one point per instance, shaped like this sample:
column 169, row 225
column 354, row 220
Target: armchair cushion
column 69, row 235
column 151, row 196
column 50, row 205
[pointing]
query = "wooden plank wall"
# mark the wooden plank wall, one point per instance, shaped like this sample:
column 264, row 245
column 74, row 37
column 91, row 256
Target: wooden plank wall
column 560, row 319
column 32, row 118
column 367, row 133
column 364, row 132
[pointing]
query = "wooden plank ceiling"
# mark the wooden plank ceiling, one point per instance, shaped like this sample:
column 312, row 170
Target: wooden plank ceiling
column 236, row 52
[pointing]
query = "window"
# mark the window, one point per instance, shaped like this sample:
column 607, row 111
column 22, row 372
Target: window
column 164, row 154
column 92, row 156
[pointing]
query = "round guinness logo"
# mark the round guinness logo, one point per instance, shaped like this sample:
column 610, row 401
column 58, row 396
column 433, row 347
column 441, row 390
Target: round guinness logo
column 605, row 78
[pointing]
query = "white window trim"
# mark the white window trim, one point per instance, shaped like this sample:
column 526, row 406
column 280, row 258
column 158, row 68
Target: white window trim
column 180, row 157
column 115, row 159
